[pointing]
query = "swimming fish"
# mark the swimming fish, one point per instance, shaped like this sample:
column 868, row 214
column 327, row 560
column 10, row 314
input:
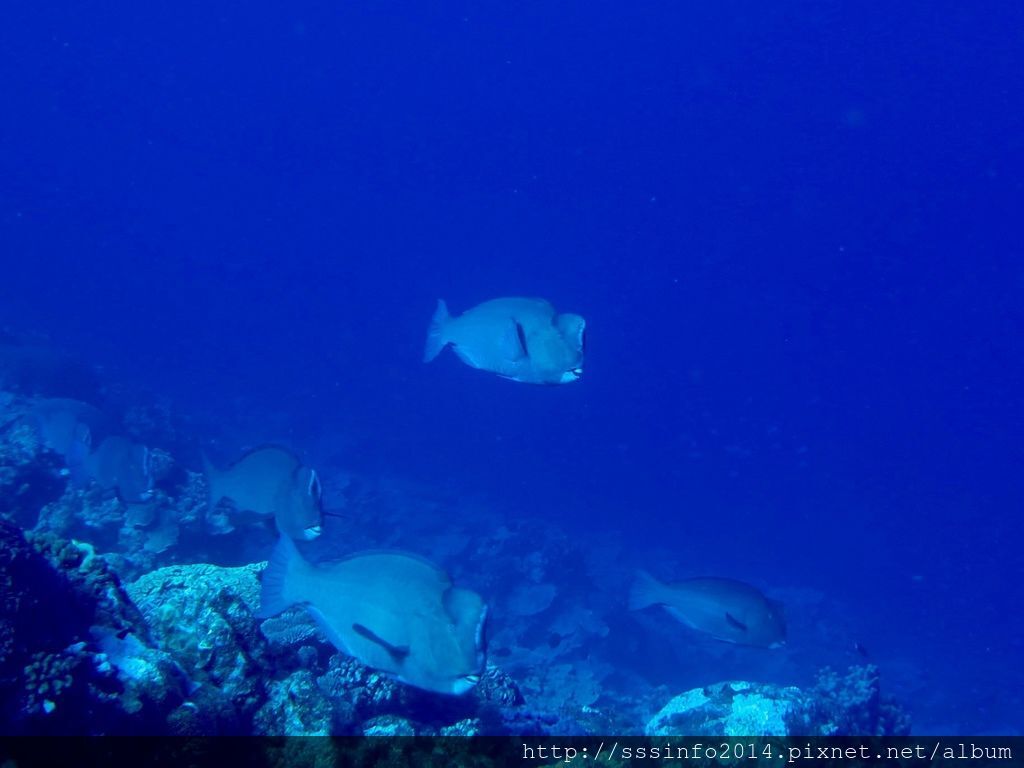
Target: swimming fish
column 271, row 482
column 120, row 465
column 519, row 339
column 62, row 423
column 726, row 609
column 392, row 611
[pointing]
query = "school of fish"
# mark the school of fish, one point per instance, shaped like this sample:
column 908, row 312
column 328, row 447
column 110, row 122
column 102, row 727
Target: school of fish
column 395, row 611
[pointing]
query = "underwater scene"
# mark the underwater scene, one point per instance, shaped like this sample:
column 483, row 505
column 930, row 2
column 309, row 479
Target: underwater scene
column 457, row 369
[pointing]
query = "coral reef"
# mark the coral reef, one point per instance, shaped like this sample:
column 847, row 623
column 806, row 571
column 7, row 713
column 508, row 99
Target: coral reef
column 728, row 709
column 281, row 673
column 834, row 706
column 852, row 703
column 30, row 474
column 180, row 650
column 295, row 706
column 203, row 616
column 75, row 655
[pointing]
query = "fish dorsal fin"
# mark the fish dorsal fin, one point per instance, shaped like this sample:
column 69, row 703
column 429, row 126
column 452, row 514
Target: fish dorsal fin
column 513, row 341
column 262, row 450
column 426, row 565
column 398, row 652
column 735, row 622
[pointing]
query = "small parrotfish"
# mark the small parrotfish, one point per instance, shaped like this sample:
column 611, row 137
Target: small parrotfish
column 271, row 482
column 726, row 609
column 517, row 338
column 393, row 611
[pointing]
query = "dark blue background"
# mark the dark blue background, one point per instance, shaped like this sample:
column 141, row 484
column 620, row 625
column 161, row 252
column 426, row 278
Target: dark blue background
column 794, row 229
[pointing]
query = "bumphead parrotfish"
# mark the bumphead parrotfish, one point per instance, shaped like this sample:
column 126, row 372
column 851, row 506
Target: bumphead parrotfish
column 61, row 422
column 119, row 465
column 517, row 338
column 392, row 611
column 726, row 609
column 271, row 482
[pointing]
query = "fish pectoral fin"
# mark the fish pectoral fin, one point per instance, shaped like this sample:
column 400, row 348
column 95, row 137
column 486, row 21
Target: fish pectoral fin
column 398, row 651
column 513, row 341
column 735, row 622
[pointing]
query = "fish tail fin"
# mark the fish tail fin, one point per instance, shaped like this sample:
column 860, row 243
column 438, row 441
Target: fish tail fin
column 281, row 581
column 646, row 590
column 436, row 340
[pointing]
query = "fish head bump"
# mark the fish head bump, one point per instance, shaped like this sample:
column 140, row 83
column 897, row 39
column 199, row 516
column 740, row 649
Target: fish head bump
column 125, row 467
column 574, row 330
column 143, row 468
column 304, row 516
column 457, row 657
column 555, row 357
column 474, row 652
column 777, row 619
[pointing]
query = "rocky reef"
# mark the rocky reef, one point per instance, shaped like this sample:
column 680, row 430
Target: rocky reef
column 836, row 705
column 121, row 616
column 180, row 650
column 76, row 655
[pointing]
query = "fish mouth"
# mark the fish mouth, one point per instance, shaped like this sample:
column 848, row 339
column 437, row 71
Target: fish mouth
column 573, row 374
column 312, row 532
column 464, row 684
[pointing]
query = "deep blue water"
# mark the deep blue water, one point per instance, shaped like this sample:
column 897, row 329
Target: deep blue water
column 795, row 231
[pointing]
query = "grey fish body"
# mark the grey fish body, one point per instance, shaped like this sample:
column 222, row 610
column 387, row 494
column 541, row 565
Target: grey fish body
column 62, row 422
column 271, row 482
column 726, row 609
column 522, row 339
column 392, row 611
column 120, row 465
